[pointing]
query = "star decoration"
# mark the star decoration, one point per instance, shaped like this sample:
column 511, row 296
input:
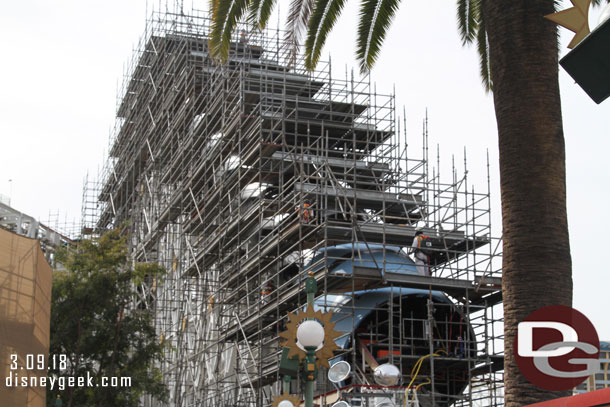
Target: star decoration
column 295, row 400
column 328, row 345
column 575, row 19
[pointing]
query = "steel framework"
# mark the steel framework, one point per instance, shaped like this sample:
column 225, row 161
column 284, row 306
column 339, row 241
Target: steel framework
column 241, row 178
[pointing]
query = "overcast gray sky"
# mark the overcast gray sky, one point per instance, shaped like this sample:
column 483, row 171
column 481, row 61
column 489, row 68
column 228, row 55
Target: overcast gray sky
column 62, row 61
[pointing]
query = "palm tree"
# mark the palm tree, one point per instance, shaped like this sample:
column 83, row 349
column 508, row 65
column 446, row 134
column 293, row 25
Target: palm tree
column 519, row 62
column 537, row 267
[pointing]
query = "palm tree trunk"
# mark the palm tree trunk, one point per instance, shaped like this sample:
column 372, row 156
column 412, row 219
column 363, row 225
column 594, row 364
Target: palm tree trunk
column 536, row 265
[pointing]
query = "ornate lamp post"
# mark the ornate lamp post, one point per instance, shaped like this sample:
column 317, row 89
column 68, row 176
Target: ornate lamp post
column 310, row 342
column 310, row 334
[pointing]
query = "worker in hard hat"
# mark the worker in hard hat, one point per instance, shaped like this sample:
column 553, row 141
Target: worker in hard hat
column 422, row 260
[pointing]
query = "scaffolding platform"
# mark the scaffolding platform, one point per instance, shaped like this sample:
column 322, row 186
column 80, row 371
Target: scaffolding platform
column 241, row 178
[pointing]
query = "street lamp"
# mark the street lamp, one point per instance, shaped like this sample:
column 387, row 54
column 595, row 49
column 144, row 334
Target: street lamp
column 310, row 335
column 310, row 342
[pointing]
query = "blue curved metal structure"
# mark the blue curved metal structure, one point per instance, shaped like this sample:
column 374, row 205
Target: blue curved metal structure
column 367, row 305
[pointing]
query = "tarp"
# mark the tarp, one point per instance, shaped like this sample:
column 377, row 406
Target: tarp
column 25, row 311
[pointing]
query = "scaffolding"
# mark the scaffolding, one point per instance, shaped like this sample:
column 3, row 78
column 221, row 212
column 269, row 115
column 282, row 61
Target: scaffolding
column 243, row 178
column 51, row 235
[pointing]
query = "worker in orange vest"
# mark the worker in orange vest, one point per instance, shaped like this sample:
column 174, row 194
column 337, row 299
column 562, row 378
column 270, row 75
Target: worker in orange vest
column 422, row 260
column 266, row 291
column 306, row 212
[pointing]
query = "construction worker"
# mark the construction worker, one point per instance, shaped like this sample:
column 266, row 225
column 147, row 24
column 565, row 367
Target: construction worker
column 266, row 291
column 422, row 260
column 459, row 348
column 242, row 45
column 306, row 212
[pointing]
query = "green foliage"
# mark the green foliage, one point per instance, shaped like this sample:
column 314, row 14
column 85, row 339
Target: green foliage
column 260, row 11
column 225, row 15
column 323, row 18
column 484, row 61
column 468, row 16
column 471, row 26
column 297, row 21
column 94, row 322
column 375, row 19
column 321, row 15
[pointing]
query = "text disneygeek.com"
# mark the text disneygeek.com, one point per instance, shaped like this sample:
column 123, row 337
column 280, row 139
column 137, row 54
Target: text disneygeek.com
column 62, row 382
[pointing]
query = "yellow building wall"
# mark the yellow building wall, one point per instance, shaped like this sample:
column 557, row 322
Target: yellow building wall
column 25, row 307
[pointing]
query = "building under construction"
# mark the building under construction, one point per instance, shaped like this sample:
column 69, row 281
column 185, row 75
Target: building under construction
column 243, row 178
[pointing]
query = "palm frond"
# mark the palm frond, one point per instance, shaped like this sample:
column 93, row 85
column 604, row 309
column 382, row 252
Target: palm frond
column 213, row 5
column 255, row 6
column 471, row 25
column 260, row 11
column 468, row 13
column 296, row 24
column 323, row 18
column 483, row 48
column 225, row 16
column 375, row 19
